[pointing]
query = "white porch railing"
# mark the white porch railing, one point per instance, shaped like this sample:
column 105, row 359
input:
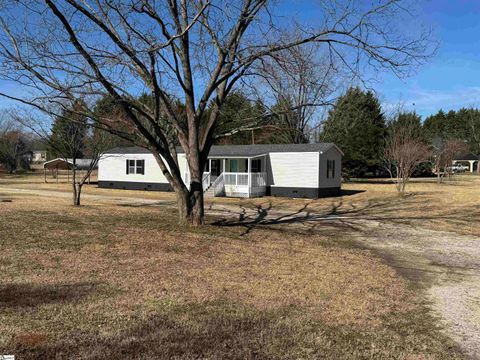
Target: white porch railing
column 234, row 184
column 245, row 184
column 205, row 180
column 219, row 186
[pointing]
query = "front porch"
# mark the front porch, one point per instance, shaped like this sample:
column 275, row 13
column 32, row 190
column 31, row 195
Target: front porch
column 234, row 177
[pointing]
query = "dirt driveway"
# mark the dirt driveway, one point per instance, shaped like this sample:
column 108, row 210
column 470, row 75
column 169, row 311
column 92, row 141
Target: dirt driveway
column 445, row 265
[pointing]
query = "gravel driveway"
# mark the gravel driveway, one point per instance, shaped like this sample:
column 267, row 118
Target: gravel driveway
column 446, row 265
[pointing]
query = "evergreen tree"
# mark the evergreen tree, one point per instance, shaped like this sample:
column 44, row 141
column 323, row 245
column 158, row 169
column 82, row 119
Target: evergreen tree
column 410, row 120
column 68, row 134
column 241, row 121
column 357, row 126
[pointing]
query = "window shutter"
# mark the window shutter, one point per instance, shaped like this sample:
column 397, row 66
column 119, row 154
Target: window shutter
column 333, row 169
column 127, row 166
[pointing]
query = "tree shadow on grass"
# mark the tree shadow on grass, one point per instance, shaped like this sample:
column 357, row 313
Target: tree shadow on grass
column 27, row 295
column 406, row 210
column 267, row 217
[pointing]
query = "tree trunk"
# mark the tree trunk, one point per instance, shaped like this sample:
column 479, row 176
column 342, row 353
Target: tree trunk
column 190, row 202
column 77, row 190
column 190, row 205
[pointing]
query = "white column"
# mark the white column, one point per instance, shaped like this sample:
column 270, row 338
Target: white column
column 249, row 172
column 471, row 165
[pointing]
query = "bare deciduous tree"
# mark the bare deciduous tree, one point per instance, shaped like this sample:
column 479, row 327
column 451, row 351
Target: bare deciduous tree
column 193, row 51
column 73, row 140
column 404, row 151
column 302, row 80
column 444, row 153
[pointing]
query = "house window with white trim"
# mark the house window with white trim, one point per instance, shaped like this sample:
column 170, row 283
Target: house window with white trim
column 330, row 169
column 135, row 167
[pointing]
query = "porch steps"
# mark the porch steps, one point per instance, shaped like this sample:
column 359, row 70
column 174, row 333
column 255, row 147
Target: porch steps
column 209, row 193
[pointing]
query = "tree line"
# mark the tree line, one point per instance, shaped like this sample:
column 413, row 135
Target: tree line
column 361, row 129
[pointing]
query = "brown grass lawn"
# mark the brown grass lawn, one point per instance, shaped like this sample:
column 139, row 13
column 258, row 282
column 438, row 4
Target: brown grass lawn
column 118, row 282
column 451, row 206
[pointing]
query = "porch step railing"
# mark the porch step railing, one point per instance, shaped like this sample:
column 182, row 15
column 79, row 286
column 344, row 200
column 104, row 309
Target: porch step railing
column 219, row 186
column 205, row 181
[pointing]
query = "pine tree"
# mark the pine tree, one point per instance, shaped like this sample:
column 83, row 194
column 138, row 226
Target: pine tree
column 68, row 135
column 357, row 126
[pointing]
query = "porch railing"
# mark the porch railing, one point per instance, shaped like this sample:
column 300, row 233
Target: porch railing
column 219, row 186
column 235, row 183
column 205, row 180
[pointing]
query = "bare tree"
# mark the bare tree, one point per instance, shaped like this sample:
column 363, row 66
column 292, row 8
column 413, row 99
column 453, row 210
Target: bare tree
column 302, row 80
column 404, row 151
column 444, row 153
column 73, row 140
column 95, row 146
column 195, row 52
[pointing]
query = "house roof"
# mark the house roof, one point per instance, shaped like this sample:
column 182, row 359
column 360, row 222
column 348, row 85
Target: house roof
column 241, row 150
column 469, row 156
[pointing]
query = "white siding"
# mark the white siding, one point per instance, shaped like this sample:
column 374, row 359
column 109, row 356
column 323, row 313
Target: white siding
column 112, row 167
column 298, row 170
column 331, row 154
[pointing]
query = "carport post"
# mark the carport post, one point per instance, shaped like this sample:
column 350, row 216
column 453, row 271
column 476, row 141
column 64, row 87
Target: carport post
column 45, row 174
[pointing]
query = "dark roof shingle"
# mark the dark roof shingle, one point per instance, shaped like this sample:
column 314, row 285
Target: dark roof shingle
column 240, row 150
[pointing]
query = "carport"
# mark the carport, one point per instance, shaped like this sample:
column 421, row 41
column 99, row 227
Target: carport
column 66, row 165
column 471, row 160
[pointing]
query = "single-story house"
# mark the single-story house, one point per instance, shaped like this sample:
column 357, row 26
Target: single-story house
column 39, row 156
column 470, row 159
column 291, row 170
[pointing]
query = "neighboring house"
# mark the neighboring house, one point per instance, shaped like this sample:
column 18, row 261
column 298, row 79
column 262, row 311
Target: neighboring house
column 291, row 170
column 471, row 160
column 39, row 156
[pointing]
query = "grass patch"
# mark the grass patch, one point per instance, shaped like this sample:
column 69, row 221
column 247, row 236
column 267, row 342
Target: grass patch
column 105, row 281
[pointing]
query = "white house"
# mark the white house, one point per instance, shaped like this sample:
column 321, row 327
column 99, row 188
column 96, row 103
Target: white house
column 291, row 170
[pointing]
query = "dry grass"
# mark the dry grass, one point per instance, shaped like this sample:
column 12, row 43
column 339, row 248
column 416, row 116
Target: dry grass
column 451, row 206
column 112, row 282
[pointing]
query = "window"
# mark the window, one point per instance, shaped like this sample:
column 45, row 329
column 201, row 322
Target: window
column 234, row 165
column 256, row 166
column 141, row 167
column 136, row 167
column 330, row 169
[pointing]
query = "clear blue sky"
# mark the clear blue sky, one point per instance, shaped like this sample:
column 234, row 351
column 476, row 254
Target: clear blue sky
column 449, row 81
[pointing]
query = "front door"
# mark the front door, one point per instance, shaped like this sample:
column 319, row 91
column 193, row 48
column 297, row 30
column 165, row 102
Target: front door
column 215, row 169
